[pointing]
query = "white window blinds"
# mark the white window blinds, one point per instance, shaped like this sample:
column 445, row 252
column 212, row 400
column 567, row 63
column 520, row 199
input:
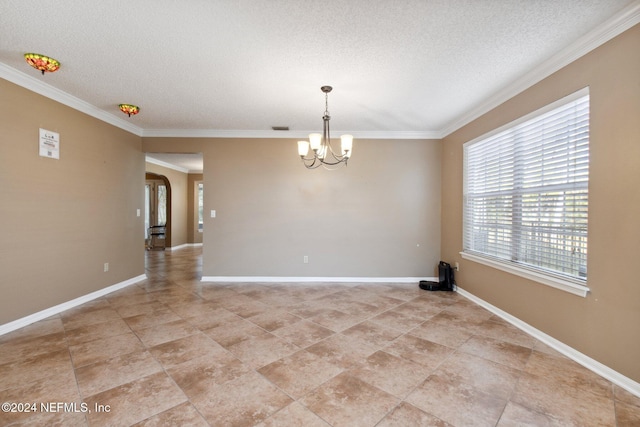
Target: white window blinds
column 526, row 191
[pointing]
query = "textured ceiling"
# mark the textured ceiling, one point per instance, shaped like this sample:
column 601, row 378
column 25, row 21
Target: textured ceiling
column 419, row 68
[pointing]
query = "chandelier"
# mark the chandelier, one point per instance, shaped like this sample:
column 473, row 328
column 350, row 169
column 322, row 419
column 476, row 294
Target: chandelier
column 320, row 144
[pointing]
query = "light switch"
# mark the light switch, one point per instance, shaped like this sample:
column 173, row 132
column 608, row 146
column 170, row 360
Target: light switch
column 138, row 212
column 213, row 213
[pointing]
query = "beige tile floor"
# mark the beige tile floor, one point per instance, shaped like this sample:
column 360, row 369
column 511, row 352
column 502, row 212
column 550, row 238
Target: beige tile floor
column 177, row 352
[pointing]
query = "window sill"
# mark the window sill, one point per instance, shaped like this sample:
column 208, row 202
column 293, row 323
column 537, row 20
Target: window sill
column 554, row 282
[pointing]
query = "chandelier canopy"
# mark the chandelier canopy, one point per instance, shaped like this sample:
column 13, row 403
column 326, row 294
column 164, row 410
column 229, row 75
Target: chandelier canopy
column 42, row 62
column 322, row 152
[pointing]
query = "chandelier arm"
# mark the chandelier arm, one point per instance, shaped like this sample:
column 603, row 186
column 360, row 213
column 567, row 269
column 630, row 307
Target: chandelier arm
column 334, row 166
column 310, row 159
column 329, row 168
column 327, row 133
column 337, row 162
column 327, row 137
column 333, row 153
column 315, row 159
column 330, row 163
column 313, row 165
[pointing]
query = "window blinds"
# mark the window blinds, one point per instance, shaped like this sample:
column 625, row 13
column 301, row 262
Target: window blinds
column 526, row 191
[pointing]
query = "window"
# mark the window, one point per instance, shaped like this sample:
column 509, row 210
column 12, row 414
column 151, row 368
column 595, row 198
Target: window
column 526, row 195
column 161, row 214
column 200, row 206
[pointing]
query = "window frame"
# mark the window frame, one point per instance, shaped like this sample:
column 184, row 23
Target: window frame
column 569, row 284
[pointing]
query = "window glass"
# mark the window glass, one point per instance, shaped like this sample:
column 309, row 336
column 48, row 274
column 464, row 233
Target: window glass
column 526, row 191
column 162, row 205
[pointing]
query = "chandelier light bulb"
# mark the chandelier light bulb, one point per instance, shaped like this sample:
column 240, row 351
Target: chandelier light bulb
column 315, row 141
column 347, row 145
column 303, row 148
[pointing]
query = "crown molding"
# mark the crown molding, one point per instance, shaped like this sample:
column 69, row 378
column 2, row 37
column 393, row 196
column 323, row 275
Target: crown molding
column 621, row 22
column 167, row 165
column 38, row 86
column 611, row 28
column 44, row 89
column 279, row 134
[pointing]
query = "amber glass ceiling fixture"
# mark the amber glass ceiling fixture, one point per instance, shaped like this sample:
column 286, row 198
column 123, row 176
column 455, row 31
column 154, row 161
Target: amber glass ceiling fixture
column 42, row 62
column 322, row 152
column 129, row 109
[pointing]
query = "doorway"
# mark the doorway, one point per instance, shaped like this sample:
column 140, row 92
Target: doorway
column 157, row 194
column 178, row 171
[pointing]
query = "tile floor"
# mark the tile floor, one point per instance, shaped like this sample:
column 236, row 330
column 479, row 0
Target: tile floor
column 177, row 352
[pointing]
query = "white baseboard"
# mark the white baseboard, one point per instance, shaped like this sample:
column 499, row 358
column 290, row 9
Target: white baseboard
column 289, row 279
column 184, row 245
column 51, row 311
column 604, row 371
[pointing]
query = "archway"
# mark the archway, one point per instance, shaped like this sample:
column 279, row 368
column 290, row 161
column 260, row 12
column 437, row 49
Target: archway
column 158, row 204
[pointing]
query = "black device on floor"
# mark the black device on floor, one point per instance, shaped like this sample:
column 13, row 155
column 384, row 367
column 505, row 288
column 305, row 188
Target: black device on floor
column 445, row 281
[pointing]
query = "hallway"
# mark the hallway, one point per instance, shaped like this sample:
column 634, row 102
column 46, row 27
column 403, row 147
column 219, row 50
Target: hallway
column 174, row 351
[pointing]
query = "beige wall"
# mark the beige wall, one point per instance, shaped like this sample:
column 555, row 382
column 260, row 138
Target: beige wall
column 178, row 181
column 63, row 219
column 606, row 324
column 379, row 217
